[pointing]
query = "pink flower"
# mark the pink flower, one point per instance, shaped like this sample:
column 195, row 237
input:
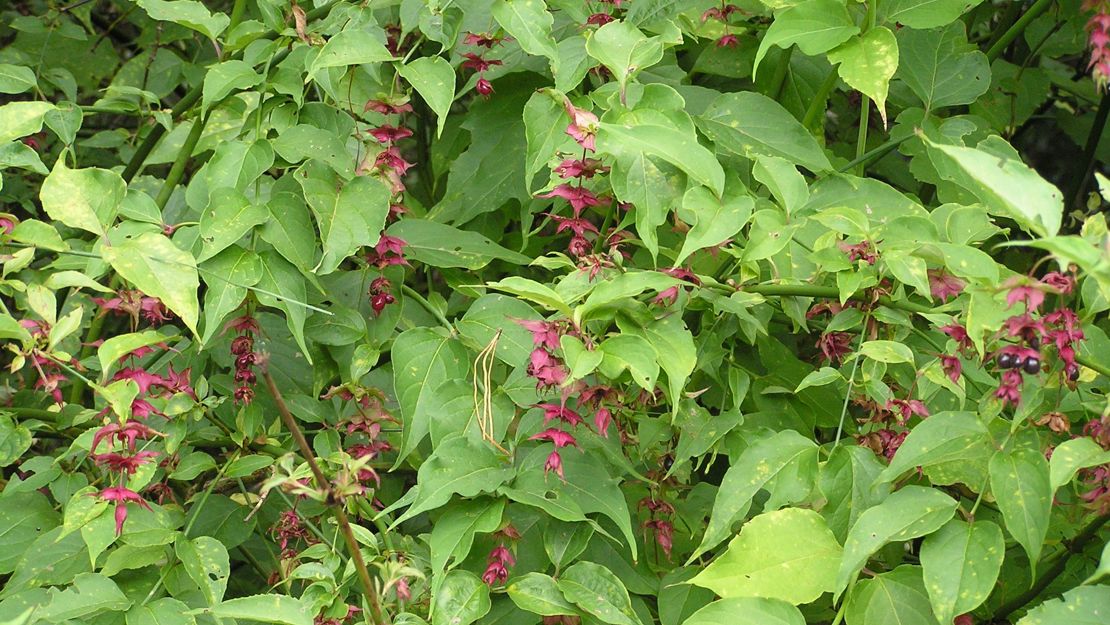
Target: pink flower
column 959, row 333
column 952, row 367
column 122, row 496
column 141, row 377
column 558, row 437
column 477, row 63
column 482, row 40
column 860, row 251
column 555, row 411
column 1022, row 289
column 599, row 19
column 728, row 41
column 908, row 408
column 7, row 224
column 835, row 345
column 583, row 126
column 387, row 251
column 496, row 573
column 664, row 532
column 501, row 554
column 578, row 246
column 580, row 168
column 127, row 433
column 404, row 593
column 544, row 333
column 666, row 297
column 554, row 463
column 1059, row 282
column 602, row 420
column 579, row 197
column 124, row 464
column 387, row 108
column 577, row 225
column 1009, row 390
column 943, row 285
column 390, row 158
column 390, row 134
column 484, row 87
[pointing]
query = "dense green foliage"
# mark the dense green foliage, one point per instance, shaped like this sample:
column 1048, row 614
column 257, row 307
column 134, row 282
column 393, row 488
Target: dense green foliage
column 522, row 311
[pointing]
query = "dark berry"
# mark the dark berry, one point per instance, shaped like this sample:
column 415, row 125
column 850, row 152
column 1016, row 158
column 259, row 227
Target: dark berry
column 1035, row 343
column 1019, row 362
column 1073, row 375
column 1006, row 361
column 1033, row 366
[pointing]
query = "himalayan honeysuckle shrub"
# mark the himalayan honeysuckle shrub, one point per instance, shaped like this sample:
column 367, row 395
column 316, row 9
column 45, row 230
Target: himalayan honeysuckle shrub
column 509, row 312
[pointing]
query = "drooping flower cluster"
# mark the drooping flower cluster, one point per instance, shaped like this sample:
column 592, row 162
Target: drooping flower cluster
column 480, row 64
column 137, row 306
column 543, row 365
column 559, row 438
column 242, row 348
column 122, row 462
column 602, row 18
column 501, row 557
column 669, row 295
column 288, row 530
column 1098, row 38
column 722, row 14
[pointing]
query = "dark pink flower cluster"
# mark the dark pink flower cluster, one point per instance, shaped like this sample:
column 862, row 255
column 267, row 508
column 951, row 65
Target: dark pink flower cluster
column 660, row 524
column 136, row 305
column 835, row 346
column 862, row 251
column 123, row 462
column 500, row 557
column 943, row 285
column 543, row 364
column 480, row 64
column 884, row 442
column 242, row 348
column 669, row 295
column 288, row 530
column 1098, row 38
column 352, row 612
column 722, row 14
column 602, row 18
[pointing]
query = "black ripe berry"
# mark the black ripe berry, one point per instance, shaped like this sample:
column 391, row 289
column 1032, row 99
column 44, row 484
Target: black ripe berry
column 1006, row 361
column 1033, row 366
column 1035, row 343
column 1073, row 375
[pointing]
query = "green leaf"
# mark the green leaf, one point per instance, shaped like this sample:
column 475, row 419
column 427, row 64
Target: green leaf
column 82, row 198
column 20, row 119
column 782, row 179
column 713, row 220
column 529, row 23
column 897, row 596
column 941, row 67
column 788, row 554
column 15, row 439
column 815, row 26
column 263, row 609
column 620, row 289
column 1086, row 605
column 890, row 352
column 349, row 47
column 653, row 186
column 160, row 269
column 16, row 78
column 679, row 600
column 440, row 245
column 206, row 562
column 747, row 611
column 1020, row 484
column 532, row 291
column 282, row 286
column 539, row 594
column 289, row 228
column 945, row 437
column 460, row 465
column 303, row 142
column 1103, row 566
column 423, row 359
column 907, row 513
column 624, row 50
column 228, row 275
column 91, row 593
column 597, row 591
column 453, row 533
column 434, row 79
column 821, row 377
column 846, row 482
column 495, row 312
column 224, row 78
column 228, row 218
column 757, row 466
column 631, row 352
column 116, row 347
column 188, row 13
column 461, row 600
column 699, row 430
column 677, row 147
column 960, row 564
column 749, row 124
column 23, row 518
column 1002, row 182
column 867, row 63
column 675, row 352
column 925, row 14
column 164, row 611
column 544, row 130
column 1072, row 455
column 349, row 218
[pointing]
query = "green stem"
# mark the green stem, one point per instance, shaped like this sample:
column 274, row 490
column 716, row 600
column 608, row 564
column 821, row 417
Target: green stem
column 817, row 105
column 237, row 14
column 1074, row 546
column 861, row 137
column 1090, row 150
column 871, row 155
column 851, row 382
column 774, row 88
column 426, row 305
column 1017, row 28
column 828, row 292
column 177, row 170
